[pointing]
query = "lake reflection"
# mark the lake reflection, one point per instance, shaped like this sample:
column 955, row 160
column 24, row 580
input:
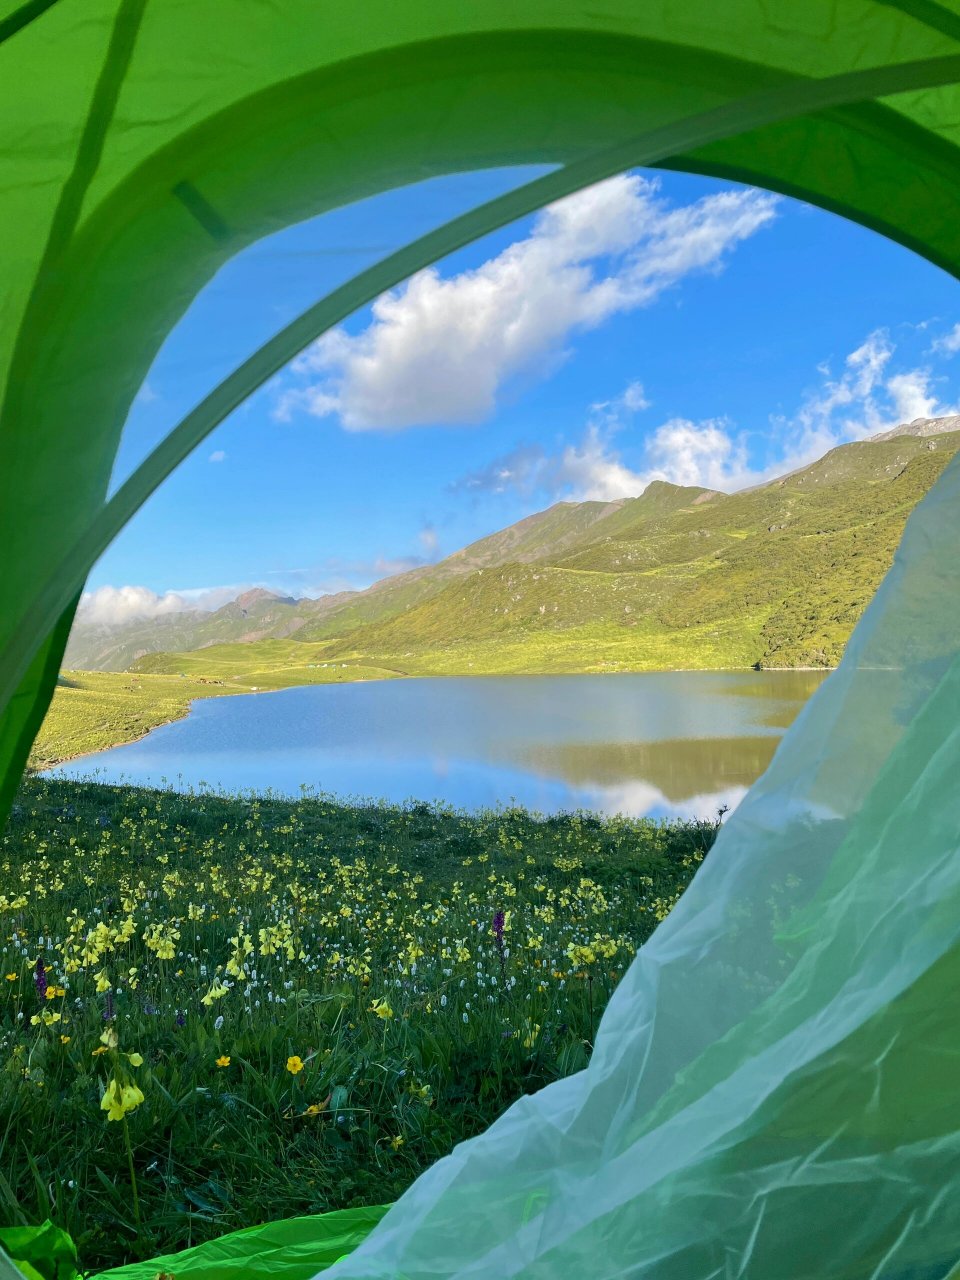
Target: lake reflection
column 663, row 744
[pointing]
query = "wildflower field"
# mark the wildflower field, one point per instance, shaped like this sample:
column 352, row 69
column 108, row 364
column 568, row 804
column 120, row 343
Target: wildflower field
column 215, row 1010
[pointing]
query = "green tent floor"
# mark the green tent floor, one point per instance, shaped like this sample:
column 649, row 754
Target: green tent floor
column 293, row 1249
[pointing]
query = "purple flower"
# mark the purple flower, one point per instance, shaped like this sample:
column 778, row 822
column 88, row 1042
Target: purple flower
column 109, row 1012
column 499, row 924
column 181, row 1018
column 40, row 978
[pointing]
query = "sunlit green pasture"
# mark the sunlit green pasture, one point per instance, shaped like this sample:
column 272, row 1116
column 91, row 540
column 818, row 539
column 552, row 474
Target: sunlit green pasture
column 93, row 710
column 313, row 1000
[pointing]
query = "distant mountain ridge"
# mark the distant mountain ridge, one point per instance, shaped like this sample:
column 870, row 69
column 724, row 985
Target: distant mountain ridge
column 679, row 576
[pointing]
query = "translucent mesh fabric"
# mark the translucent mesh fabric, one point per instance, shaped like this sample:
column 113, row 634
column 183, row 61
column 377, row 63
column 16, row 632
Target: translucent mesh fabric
column 774, row 1090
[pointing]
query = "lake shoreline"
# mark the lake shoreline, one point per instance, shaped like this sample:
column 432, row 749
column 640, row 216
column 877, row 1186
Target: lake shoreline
column 667, row 743
column 106, row 741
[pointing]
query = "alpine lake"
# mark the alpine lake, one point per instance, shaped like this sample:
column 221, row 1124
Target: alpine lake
column 661, row 744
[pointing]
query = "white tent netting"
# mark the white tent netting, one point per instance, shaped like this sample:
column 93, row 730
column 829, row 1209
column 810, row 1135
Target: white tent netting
column 775, row 1077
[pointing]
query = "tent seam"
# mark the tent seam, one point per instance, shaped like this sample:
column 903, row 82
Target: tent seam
column 929, row 14
column 23, row 17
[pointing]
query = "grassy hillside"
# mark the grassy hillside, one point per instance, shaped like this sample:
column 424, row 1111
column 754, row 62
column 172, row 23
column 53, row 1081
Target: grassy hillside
column 676, row 578
column 250, row 617
column 679, row 578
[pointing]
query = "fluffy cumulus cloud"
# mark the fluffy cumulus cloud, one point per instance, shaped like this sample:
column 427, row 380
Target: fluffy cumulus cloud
column 866, row 397
column 113, row 606
column 439, row 350
column 705, row 454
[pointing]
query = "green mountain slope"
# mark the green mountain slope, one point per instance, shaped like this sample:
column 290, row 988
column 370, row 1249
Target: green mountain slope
column 683, row 578
column 546, row 533
column 254, row 615
column 678, row 577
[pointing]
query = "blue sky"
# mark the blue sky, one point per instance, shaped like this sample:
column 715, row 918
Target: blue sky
column 660, row 325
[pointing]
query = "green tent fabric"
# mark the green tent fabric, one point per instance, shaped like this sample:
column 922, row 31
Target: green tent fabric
column 296, row 1249
column 772, row 1093
column 39, row 1253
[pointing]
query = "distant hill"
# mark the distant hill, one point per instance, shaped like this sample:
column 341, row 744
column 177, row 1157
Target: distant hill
column 678, row 577
column 254, row 615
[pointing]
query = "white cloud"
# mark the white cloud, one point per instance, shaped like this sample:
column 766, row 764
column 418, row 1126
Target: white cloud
column 911, row 395
column 633, row 399
column 113, row 606
column 852, row 395
column 589, row 470
column 949, row 344
column 218, row 455
column 637, row 799
column 594, row 473
column 700, row 454
column 865, row 399
column 439, row 350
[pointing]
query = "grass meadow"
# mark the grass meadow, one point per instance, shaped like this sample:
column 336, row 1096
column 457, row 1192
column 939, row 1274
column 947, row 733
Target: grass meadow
column 224, row 1010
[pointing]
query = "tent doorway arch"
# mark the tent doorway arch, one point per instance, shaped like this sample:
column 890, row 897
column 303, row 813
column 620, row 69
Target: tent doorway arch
column 145, row 143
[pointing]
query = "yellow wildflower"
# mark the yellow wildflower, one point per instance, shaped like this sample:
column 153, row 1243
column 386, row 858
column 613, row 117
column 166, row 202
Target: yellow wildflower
column 95, row 1053
column 223, row 1060
column 48, row 1019
column 162, row 938
column 11, row 977
column 118, row 1099
column 109, row 1038
column 135, row 1059
column 216, row 992
column 294, row 1064
column 64, row 1039
column 396, row 1142
column 381, row 1008
column 103, row 982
